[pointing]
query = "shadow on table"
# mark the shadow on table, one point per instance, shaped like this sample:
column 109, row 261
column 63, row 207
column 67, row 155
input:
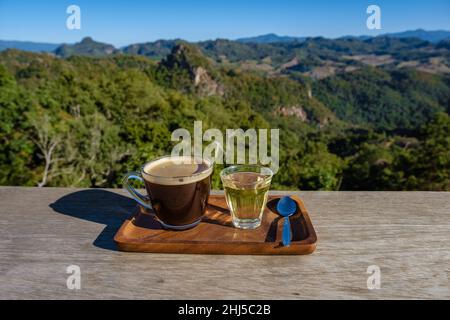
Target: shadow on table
column 100, row 206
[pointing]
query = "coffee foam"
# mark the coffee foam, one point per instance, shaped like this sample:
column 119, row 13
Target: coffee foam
column 197, row 172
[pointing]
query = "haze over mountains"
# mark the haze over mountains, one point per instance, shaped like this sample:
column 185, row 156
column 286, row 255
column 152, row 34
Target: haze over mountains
column 431, row 36
column 28, row 46
column 270, row 38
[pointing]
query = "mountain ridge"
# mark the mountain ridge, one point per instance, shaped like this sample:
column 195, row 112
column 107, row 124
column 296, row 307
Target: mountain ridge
column 87, row 46
column 315, row 58
column 433, row 36
column 270, row 38
column 28, row 45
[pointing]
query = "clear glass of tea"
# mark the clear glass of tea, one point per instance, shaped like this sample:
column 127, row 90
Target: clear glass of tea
column 246, row 192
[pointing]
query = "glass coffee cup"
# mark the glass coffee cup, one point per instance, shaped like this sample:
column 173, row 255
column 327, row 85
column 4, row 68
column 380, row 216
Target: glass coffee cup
column 178, row 189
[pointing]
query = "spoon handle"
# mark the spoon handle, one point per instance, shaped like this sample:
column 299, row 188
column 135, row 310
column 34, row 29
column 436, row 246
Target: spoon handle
column 286, row 232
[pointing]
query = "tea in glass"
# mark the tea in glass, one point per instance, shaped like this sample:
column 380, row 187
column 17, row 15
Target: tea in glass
column 246, row 192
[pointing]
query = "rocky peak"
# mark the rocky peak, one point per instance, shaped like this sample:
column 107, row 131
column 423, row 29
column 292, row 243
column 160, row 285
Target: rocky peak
column 188, row 58
column 292, row 111
column 205, row 85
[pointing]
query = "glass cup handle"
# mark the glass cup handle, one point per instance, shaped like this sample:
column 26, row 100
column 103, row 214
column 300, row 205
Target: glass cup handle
column 141, row 199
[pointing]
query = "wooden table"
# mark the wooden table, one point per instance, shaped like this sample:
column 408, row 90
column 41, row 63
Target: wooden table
column 405, row 234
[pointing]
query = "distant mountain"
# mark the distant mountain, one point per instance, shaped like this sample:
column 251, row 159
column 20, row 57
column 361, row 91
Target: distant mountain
column 28, row 46
column 270, row 38
column 87, row 47
column 444, row 44
column 361, row 38
column 316, row 58
column 156, row 50
column 161, row 48
column 431, row 36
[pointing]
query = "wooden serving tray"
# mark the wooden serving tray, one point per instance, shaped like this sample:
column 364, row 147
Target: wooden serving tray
column 142, row 232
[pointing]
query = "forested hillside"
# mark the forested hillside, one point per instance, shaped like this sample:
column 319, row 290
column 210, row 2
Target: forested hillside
column 87, row 117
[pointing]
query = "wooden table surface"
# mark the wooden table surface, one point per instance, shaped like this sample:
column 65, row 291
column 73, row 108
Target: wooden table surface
column 405, row 234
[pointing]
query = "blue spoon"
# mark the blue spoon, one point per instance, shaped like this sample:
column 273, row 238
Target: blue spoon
column 286, row 207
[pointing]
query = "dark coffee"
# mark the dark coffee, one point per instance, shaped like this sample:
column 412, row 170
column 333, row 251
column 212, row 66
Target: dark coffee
column 178, row 191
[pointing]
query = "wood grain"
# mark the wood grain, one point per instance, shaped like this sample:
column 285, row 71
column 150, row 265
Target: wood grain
column 407, row 234
column 216, row 235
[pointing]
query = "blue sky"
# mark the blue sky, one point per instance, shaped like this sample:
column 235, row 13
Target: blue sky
column 123, row 22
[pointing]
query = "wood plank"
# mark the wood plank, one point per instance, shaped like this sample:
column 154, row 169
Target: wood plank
column 42, row 231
